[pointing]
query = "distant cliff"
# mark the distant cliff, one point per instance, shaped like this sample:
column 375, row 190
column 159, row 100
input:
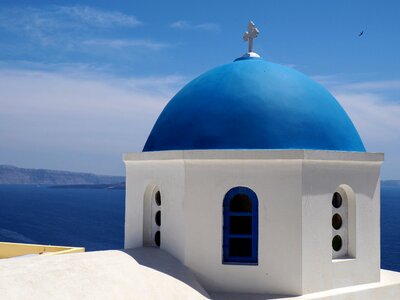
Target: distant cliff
column 390, row 183
column 14, row 175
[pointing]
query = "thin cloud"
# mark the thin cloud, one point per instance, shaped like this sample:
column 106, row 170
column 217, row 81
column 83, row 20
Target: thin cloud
column 79, row 29
column 123, row 43
column 63, row 87
column 66, row 120
column 374, row 85
column 371, row 106
column 377, row 85
column 375, row 112
column 327, row 80
column 374, row 108
column 292, row 66
column 376, row 117
column 51, row 24
column 184, row 25
column 98, row 18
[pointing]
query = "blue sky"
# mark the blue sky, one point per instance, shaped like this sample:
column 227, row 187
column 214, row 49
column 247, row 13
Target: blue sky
column 83, row 81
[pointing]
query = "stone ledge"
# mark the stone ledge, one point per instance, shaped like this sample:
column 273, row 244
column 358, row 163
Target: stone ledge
column 255, row 155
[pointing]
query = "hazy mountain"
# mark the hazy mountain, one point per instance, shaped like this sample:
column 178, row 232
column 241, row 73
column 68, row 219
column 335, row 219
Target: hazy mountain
column 14, row 175
column 109, row 186
column 389, row 183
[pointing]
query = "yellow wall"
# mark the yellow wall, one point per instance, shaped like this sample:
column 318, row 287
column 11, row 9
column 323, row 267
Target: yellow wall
column 8, row 250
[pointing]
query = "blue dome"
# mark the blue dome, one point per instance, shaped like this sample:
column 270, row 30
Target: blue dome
column 253, row 104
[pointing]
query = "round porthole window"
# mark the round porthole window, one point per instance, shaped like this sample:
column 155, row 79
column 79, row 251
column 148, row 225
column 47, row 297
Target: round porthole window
column 337, row 200
column 337, row 243
column 337, row 221
column 157, row 198
column 158, row 218
column 157, row 238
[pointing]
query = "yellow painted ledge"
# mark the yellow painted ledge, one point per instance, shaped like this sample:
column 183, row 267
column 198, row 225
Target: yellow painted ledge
column 8, row 250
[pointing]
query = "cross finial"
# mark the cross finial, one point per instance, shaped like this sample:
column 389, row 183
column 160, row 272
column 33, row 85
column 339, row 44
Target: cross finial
column 250, row 35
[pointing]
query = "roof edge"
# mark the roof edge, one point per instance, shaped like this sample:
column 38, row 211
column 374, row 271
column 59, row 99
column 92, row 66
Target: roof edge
column 255, row 155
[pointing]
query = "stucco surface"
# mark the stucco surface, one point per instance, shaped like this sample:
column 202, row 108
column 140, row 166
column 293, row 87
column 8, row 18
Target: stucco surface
column 294, row 190
column 144, row 273
column 387, row 289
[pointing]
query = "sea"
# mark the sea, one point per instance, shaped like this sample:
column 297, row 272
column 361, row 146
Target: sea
column 90, row 218
column 94, row 218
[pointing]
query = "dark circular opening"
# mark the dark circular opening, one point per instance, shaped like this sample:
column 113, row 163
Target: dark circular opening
column 157, row 197
column 337, row 221
column 157, row 238
column 337, row 243
column 337, row 200
column 158, row 218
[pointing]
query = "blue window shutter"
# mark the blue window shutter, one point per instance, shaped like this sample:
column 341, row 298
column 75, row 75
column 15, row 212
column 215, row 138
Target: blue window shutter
column 236, row 245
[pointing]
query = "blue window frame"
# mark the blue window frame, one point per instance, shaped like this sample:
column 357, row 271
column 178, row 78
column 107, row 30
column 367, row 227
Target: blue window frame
column 240, row 231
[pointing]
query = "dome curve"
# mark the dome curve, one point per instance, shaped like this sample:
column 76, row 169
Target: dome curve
column 253, row 104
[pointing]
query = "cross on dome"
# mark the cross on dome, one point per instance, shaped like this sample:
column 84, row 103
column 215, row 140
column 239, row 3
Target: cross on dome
column 250, row 35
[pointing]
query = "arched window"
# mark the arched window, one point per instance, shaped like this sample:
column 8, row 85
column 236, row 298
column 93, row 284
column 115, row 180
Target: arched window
column 152, row 217
column 240, row 231
column 343, row 223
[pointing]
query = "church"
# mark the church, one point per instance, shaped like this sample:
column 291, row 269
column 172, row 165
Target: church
column 253, row 184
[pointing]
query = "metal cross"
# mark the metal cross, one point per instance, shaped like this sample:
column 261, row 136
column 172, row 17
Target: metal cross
column 250, row 35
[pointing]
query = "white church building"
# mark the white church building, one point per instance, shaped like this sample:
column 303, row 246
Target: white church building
column 253, row 184
column 255, row 178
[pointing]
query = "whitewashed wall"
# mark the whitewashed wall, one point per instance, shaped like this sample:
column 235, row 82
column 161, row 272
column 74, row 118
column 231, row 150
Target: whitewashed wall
column 320, row 180
column 294, row 190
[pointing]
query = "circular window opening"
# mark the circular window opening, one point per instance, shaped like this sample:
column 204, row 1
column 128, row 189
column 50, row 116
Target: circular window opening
column 337, row 200
column 157, row 197
column 337, row 221
column 158, row 218
column 157, row 238
column 337, row 243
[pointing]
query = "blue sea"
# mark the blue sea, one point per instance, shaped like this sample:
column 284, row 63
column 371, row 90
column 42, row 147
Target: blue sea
column 94, row 218
column 390, row 228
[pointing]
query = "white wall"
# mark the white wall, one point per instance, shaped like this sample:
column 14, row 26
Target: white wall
column 168, row 177
column 294, row 190
column 320, row 180
column 277, row 185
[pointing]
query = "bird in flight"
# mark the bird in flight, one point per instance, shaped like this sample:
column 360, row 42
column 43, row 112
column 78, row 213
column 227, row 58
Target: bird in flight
column 361, row 33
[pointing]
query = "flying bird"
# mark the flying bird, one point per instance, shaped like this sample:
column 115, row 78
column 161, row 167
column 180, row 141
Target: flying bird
column 361, row 33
